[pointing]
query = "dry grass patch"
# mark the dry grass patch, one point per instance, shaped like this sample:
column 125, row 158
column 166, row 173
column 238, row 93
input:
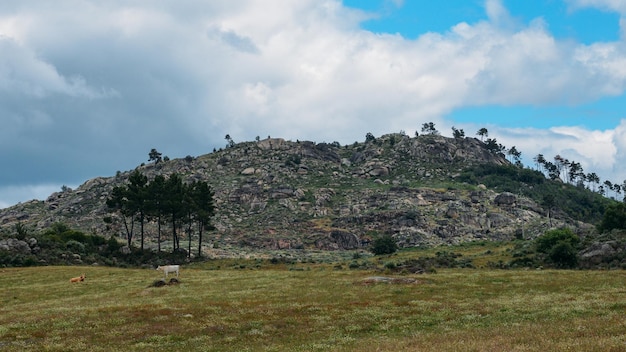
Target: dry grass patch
column 314, row 310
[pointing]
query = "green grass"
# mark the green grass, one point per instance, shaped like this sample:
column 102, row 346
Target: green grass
column 315, row 309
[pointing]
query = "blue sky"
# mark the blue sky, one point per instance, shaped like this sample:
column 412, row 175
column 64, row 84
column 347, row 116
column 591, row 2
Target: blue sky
column 414, row 18
column 586, row 25
column 94, row 96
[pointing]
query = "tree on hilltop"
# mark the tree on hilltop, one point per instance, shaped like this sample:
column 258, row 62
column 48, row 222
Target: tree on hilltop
column 539, row 160
column 483, row 133
column 494, row 147
column 429, row 128
column 230, row 142
column 155, row 156
column 458, row 133
column 593, row 179
column 515, row 155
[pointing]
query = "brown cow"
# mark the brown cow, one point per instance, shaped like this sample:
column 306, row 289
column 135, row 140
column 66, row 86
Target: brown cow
column 78, row 279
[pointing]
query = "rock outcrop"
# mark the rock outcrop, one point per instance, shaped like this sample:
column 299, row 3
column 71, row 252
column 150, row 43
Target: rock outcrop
column 275, row 193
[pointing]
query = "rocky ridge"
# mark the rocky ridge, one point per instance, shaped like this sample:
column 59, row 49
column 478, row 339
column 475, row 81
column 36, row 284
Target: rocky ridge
column 278, row 194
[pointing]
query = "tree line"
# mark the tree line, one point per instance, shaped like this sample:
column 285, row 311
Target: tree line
column 167, row 201
column 559, row 169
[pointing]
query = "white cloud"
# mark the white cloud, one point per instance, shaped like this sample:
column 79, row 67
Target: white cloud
column 618, row 6
column 497, row 13
column 597, row 151
column 118, row 79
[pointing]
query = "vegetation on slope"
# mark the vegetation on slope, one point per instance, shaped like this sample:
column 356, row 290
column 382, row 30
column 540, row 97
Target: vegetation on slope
column 576, row 202
column 559, row 248
column 275, row 194
column 61, row 245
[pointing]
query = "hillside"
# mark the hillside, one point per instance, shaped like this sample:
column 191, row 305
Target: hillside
column 278, row 194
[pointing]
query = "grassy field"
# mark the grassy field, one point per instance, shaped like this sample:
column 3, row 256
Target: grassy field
column 313, row 308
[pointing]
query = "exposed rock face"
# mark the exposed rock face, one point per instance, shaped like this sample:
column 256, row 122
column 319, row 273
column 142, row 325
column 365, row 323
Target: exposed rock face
column 19, row 246
column 289, row 195
column 505, row 198
column 271, row 144
column 345, row 240
column 595, row 253
column 248, row 171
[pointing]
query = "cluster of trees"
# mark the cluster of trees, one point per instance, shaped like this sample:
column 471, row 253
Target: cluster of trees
column 561, row 169
column 572, row 172
column 61, row 245
column 164, row 200
column 429, row 128
column 514, row 155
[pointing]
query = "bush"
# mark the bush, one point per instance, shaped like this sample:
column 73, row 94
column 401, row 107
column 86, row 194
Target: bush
column 559, row 247
column 354, row 265
column 563, row 255
column 390, row 265
column 384, row 245
column 75, row 246
column 614, row 218
column 112, row 246
column 547, row 241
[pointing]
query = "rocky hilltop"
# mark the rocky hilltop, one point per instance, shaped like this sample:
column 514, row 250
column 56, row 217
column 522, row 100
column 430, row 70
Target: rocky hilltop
column 278, row 194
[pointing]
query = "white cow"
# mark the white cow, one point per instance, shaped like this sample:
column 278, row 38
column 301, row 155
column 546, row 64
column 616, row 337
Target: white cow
column 169, row 269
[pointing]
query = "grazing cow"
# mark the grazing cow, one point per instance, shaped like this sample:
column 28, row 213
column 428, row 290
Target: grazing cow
column 78, row 279
column 169, row 269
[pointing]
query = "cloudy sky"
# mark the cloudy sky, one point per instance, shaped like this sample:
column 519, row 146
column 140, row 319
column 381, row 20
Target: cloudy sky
column 88, row 87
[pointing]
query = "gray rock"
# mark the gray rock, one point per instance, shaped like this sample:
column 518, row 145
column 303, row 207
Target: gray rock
column 505, row 198
column 15, row 245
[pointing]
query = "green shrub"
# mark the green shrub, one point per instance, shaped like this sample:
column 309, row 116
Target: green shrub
column 559, row 247
column 384, row 245
column 390, row 265
column 614, row 218
column 75, row 246
column 547, row 241
column 112, row 246
column 563, row 255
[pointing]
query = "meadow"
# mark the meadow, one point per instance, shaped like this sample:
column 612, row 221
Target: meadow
column 248, row 306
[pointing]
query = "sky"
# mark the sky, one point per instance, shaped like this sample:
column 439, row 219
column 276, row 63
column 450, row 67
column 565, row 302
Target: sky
column 88, row 88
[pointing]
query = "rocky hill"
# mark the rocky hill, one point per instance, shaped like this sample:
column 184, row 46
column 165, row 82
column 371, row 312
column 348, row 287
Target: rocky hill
column 278, row 194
